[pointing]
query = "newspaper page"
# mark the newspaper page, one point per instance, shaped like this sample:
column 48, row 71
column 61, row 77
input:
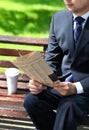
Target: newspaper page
column 35, row 67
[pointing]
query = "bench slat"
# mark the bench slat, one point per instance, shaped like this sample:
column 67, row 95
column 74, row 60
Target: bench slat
column 6, row 63
column 13, row 52
column 15, row 113
column 24, row 40
column 12, row 101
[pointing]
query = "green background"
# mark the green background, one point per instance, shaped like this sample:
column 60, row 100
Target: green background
column 27, row 17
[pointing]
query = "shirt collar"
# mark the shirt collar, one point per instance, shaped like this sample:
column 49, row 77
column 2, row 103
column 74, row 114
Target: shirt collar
column 85, row 16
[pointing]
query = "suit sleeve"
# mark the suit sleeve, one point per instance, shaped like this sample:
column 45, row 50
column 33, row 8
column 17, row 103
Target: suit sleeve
column 85, row 83
column 54, row 53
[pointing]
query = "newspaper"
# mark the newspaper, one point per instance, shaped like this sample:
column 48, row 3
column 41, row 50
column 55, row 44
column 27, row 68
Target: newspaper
column 35, row 67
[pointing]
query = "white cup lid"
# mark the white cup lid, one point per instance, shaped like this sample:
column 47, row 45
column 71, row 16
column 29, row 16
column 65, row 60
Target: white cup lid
column 11, row 72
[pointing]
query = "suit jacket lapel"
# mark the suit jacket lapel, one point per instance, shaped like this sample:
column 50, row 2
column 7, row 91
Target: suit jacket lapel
column 69, row 31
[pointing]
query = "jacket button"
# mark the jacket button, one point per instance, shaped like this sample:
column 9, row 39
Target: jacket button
column 66, row 52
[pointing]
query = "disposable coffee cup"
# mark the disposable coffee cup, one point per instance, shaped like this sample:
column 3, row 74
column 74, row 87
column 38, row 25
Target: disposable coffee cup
column 12, row 78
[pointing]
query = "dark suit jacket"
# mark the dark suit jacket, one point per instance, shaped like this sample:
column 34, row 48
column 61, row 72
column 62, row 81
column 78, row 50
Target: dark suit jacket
column 61, row 54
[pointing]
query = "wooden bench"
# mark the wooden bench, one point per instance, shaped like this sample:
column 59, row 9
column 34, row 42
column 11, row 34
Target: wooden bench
column 12, row 105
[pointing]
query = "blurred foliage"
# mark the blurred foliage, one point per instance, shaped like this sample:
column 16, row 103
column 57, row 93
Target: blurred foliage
column 27, row 17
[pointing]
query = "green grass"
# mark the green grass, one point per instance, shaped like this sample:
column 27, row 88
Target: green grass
column 27, row 17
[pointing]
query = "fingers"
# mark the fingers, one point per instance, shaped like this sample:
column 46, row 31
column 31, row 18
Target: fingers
column 36, row 87
column 65, row 88
column 36, row 83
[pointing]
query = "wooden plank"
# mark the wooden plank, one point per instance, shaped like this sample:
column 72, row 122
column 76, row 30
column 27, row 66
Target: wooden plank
column 17, row 124
column 23, row 40
column 13, row 52
column 6, row 63
column 83, row 127
column 12, row 101
column 15, row 113
column 19, row 93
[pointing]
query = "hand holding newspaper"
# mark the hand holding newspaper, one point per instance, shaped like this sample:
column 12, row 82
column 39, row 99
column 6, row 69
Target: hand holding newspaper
column 35, row 67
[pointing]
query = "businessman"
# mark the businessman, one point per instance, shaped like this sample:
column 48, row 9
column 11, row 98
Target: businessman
column 68, row 56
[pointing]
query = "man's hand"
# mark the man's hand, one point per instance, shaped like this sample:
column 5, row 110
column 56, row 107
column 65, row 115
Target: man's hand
column 65, row 88
column 36, row 87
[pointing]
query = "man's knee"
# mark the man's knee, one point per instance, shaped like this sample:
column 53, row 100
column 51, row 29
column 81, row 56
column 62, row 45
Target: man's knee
column 28, row 100
column 67, row 104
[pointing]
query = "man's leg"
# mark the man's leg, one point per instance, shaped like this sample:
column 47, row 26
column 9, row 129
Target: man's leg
column 70, row 112
column 40, row 109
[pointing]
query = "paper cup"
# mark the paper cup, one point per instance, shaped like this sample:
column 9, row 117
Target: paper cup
column 12, row 78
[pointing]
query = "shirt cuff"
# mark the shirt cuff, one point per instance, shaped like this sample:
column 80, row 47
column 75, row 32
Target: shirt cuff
column 79, row 88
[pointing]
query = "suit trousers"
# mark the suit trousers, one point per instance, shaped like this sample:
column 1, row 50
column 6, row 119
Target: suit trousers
column 69, row 110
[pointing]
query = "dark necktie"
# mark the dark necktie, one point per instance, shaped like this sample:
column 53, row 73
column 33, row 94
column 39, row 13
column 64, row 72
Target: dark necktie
column 78, row 28
column 77, row 32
